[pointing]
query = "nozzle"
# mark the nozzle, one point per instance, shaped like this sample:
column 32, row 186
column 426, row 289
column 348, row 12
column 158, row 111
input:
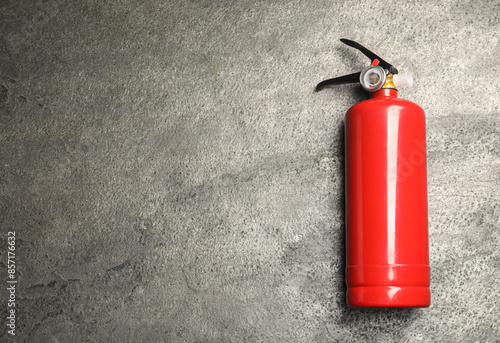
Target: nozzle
column 404, row 79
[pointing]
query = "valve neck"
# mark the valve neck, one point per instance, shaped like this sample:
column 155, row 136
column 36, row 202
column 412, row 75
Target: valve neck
column 385, row 93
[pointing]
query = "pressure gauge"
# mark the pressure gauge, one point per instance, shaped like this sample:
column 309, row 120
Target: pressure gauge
column 372, row 78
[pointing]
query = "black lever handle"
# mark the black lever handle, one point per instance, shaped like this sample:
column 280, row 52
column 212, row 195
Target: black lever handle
column 372, row 56
column 355, row 77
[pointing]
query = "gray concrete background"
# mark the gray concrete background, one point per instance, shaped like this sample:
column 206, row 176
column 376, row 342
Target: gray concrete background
column 172, row 177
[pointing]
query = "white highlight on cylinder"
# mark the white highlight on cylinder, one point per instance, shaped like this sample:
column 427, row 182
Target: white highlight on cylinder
column 392, row 176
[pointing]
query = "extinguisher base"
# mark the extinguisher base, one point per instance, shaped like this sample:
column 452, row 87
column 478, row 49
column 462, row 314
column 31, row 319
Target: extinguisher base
column 388, row 296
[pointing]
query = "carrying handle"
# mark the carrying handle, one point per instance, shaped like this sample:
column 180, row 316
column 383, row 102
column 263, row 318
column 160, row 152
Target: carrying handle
column 341, row 80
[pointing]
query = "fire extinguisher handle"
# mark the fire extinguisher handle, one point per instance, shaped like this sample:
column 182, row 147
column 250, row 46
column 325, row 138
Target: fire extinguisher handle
column 351, row 78
column 371, row 55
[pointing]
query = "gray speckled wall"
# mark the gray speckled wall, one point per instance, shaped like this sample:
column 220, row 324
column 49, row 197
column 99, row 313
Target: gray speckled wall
column 172, row 177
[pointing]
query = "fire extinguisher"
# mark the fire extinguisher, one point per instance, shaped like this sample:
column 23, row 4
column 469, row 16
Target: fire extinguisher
column 387, row 262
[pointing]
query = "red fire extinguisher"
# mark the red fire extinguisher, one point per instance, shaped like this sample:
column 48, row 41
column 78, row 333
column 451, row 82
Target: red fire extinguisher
column 387, row 262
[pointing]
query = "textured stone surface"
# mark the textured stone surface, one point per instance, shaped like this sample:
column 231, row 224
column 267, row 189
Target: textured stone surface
column 171, row 176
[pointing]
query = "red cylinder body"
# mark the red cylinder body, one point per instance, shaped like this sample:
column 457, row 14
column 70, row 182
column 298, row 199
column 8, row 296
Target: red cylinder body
column 386, row 203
